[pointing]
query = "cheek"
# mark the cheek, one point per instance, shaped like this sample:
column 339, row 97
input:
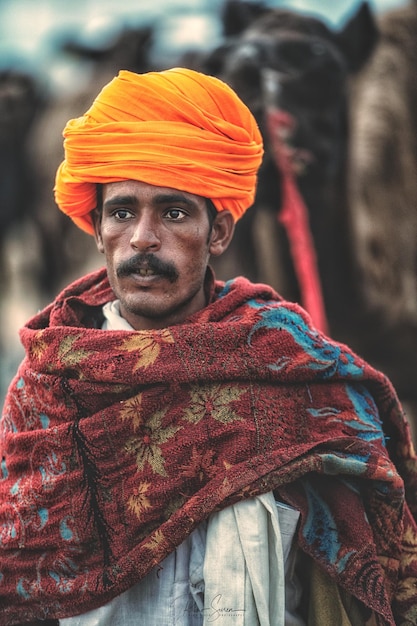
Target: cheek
column 115, row 248
column 194, row 255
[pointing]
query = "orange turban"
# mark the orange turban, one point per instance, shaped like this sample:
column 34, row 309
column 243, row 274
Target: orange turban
column 176, row 128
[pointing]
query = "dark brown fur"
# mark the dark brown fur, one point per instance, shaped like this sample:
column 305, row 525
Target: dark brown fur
column 383, row 197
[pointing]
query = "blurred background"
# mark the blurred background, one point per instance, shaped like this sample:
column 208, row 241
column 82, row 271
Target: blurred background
column 353, row 153
column 32, row 33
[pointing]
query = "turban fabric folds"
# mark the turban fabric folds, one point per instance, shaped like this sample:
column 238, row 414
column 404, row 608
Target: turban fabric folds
column 176, row 128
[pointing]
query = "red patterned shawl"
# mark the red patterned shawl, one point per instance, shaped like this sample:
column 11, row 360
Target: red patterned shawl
column 115, row 445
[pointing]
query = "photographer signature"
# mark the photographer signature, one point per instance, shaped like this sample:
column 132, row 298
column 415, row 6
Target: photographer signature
column 215, row 611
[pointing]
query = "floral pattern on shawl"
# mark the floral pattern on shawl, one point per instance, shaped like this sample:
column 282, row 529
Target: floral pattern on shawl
column 115, row 445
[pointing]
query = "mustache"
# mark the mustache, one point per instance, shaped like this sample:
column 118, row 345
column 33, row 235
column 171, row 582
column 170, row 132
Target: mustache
column 151, row 262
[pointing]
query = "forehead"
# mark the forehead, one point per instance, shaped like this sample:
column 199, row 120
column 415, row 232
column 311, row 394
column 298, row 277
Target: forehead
column 139, row 191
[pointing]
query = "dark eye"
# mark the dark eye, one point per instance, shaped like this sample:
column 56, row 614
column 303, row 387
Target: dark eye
column 122, row 214
column 318, row 49
column 175, row 214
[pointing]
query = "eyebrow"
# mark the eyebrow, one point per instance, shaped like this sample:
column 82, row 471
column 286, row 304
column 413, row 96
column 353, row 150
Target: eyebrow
column 117, row 200
column 162, row 198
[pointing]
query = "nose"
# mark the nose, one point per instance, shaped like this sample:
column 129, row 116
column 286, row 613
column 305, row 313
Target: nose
column 145, row 235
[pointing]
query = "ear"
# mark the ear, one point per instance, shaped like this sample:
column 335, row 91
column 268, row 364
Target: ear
column 237, row 15
column 221, row 232
column 358, row 37
column 96, row 219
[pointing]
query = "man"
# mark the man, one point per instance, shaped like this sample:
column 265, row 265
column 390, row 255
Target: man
column 173, row 448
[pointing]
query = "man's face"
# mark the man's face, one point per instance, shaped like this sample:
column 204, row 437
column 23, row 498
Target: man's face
column 157, row 242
